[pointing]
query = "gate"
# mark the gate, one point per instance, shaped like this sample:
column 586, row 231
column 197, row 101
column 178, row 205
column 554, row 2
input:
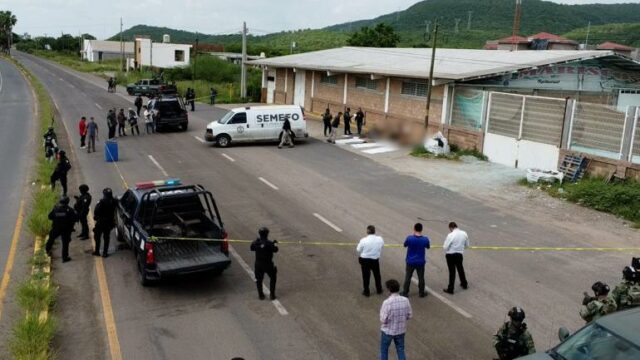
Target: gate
column 524, row 131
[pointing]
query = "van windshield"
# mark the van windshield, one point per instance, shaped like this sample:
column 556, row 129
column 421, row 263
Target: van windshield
column 226, row 117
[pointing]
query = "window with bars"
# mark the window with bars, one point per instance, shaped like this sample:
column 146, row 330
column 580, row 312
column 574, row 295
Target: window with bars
column 326, row 79
column 366, row 83
column 414, row 88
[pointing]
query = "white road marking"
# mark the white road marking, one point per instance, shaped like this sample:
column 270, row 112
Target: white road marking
column 367, row 145
column 268, row 183
column 70, row 84
column 0, row 82
column 444, row 300
column 349, row 141
column 228, row 157
column 380, row 150
column 98, row 106
column 157, row 164
column 331, row 225
column 248, row 270
column 199, row 139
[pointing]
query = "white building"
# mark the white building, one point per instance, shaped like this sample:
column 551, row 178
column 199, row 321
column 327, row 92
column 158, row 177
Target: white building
column 160, row 55
column 98, row 50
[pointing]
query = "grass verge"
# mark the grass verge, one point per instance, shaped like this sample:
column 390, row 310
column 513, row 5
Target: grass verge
column 33, row 332
column 455, row 154
column 619, row 198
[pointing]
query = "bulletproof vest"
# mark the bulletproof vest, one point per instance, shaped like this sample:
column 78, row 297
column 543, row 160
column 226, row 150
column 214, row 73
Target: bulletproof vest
column 62, row 217
column 510, row 347
column 48, row 141
column 105, row 211
column 632, row 297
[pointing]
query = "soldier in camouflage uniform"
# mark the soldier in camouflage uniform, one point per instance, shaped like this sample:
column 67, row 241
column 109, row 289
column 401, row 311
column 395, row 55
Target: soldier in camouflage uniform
column 513, row 340
column 627, row 293
column 599, row 305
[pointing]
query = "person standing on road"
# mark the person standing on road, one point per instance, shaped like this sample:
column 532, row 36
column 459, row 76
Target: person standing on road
column 334, row 128
column 454, row 246
column 104, row 215
column 82, row 205
column 60, row 172
column 138, row 104
column 92, row 132
column 347, row 122
column 599, row 305
column 148, row 121
column 133, row 122
column 212, row 96
column 369, row 249
column 286, row 135
column 513, row 340
column 50, row 144
column 264, row 249
column 112, row 123
column 360, row 120
column 62, row 220
column 122, row 123
column 326, row 120
column 82, row 130
column 394, row 313
column 416, row 245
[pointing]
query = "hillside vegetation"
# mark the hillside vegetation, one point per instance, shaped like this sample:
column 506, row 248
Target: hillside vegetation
column 490, row 19
column 628, row 34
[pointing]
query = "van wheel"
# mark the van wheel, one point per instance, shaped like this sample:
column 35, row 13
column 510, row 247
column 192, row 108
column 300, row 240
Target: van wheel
column 223, row 140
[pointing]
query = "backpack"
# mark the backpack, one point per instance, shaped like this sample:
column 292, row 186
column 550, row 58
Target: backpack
column 633, row 295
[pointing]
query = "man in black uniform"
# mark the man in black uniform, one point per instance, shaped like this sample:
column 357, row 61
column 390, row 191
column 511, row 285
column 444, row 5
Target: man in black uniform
column 83, row 202
column 326, row 119
column 104, row 215
column 265, row 249
column 63, row 218
column 347, row 122
column 359, row 120
column 138, row 104
column 112, row 123
column 50, row 144
column 60, row 172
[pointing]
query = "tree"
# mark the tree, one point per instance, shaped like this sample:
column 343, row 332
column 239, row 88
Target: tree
column 382, row 35
column 7, row 21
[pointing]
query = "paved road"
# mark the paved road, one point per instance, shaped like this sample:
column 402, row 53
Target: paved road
column 319, row 286
column 16, row 139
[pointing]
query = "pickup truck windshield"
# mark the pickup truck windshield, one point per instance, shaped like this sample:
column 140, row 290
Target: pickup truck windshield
column 597, row 343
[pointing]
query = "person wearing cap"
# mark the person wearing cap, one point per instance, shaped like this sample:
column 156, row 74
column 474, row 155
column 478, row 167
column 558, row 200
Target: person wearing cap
column 63, row 218
column 81, row 206
column 264, row 249
column 104, row 215
column 601, row 304
column 60, row 172
column 513, row 340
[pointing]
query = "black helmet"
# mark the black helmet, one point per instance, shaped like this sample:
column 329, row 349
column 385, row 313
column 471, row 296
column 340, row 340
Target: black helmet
column 84, row 188
column 628, row 273
column 516, row 314
column 600, row 288
column 263, row 232
column 635, row 263
column 107, row 193
column 64, row 200
column 50, row 128
column 62, row 153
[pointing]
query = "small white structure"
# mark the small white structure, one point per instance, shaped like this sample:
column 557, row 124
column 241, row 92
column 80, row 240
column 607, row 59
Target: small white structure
column 98, row 50
column 160, row 55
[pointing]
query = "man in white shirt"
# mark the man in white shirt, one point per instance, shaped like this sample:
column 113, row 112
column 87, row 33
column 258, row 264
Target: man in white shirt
column 454, row 246
column 369, row 249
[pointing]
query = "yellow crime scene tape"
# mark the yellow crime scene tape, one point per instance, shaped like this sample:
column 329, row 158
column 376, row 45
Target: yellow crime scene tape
column 486, row 248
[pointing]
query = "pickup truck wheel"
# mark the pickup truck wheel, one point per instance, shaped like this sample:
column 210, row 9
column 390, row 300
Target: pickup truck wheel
column 144, row 281
column 223, row 140
column 184, row 127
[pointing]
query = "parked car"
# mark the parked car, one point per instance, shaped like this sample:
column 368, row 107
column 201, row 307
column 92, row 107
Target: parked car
column 612, row 337
column 256, row 123
column 150, row 87
column 157, row 219
column 169, row 111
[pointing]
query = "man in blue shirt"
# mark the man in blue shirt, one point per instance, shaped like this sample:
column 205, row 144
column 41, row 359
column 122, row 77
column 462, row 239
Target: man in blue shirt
column 416, row 245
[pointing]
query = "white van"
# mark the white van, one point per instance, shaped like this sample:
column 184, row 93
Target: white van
column 256, row 123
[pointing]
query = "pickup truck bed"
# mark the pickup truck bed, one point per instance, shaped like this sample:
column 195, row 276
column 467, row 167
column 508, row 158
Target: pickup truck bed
column 184, row 256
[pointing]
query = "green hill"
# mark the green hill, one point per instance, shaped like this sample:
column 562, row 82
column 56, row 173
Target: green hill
column 491, row 19
column 627, row 34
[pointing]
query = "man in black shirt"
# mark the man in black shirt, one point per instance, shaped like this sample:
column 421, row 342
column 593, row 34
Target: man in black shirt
column 265, row 249
column 105, row 216
column 359, row 120
column 286, row 137
column 347, row 122
column 83, row 202
column 63, row 218
column 326, row 119
column 60, row 172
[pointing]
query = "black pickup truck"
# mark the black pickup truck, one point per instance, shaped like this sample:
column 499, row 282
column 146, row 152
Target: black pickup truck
column 150, row 87
column 157, row 219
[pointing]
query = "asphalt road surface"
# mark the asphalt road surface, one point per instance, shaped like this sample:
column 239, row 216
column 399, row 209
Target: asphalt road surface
column 319, row 192
column 16, row 139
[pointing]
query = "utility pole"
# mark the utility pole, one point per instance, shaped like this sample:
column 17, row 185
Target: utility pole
column 243, row 73
column 151, row 53
column 121, row 47
column 458, row 25
column 427, row 24
column 430, row 85
column 586, row 42
column 470, row 13
column 516, row 25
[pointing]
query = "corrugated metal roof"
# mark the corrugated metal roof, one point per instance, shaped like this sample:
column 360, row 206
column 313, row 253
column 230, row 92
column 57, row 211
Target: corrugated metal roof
column 610, row 45
column 111, row 46
column 452, row 64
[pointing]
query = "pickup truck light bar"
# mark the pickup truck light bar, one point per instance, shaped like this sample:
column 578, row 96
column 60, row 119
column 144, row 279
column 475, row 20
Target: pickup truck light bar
column 156, row 183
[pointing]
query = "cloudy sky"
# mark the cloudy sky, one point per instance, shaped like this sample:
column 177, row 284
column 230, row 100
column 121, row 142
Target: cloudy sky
column 102, row 17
